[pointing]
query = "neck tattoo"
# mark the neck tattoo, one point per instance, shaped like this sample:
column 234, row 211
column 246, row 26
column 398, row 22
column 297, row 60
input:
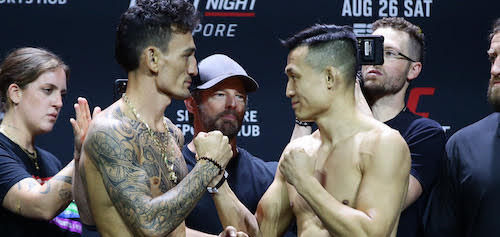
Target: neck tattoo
column 32, row 155
column 163, row 147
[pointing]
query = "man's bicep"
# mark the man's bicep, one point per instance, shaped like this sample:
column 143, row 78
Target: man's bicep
column 414, row 191
column 385, row 182
column 274, row 213
column 124, row 181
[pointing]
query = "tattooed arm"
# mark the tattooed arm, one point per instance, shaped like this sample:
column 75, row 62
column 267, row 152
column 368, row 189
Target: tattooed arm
column 30, row 199
column 176, row 132
column 117, row 157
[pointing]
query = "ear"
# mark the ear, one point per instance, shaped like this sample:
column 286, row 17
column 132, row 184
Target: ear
column 190, row 104
column 331, row 76
column 152, row 56
column 14, row 93
column 415, row 69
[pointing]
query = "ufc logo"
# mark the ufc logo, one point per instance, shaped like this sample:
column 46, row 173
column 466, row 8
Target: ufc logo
column 415, row 95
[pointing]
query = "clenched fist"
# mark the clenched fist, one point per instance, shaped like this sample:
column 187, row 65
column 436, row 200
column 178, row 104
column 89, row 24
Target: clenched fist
column 232, row 232
column 296, row 165
column 213, row 145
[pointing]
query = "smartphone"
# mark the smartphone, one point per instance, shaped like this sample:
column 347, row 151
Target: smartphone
column 371, row 49
column 119, row 88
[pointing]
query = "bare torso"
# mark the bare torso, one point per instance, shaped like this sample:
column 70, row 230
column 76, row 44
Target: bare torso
column 131, row 136
column 339, row 169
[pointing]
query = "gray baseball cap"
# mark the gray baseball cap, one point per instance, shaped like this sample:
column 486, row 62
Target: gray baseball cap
column 218, row 67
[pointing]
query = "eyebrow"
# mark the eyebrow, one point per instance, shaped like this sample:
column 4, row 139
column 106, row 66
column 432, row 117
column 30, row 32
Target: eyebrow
column 54, row 86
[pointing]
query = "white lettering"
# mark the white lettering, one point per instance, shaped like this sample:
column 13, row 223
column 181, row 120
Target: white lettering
column 250, row 116
column 245, row 132
column 408, row 8
column 242, row 3
column 367, row 8
column 346, row 8
column 195, row 3
column 208, row 30
column 362, row 28
column 228, row 5
column 393, row 8
column 253, row 116
column 255, row 131
column 182, row 115
column 428, row 7
column 187, row 128
column 212, row 4
column 419, row 9
column 231, row 30
column 356, row 7
column 381, row 11
column 252, row 5
column 198, row 28
column 219, row 31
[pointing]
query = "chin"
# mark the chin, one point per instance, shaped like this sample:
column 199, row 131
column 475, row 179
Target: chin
column 45, row 129
column 182, row 95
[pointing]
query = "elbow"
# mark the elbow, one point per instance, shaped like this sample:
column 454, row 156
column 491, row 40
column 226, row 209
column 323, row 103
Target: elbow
column 365, row 228
column 43, row 213
column 43, row 209
column 374, row 230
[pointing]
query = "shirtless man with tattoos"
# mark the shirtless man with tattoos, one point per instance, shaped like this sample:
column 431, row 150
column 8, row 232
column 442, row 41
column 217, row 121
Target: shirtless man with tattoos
column 350, row 177
column 132, row 168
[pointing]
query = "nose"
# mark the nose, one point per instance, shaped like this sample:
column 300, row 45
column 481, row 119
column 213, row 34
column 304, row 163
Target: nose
column 58, row 101
column 231, row 102
column 495, row 67
column 193, row 66
column 290, row 90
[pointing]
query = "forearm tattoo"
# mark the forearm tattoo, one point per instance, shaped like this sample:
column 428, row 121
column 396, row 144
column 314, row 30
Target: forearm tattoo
column 136, row 177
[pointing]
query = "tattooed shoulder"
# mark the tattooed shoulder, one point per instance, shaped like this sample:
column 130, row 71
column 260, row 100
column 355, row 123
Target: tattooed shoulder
column 176, row 133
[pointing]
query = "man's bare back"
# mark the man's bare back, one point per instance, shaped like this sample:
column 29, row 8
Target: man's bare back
column 115, row 133
column 338, row 168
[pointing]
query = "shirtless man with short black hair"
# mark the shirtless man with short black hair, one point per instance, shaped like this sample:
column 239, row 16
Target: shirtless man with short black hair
column 132, row 168
column 349, row 180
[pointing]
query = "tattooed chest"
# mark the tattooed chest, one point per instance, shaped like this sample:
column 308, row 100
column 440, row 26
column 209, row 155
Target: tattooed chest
column 156, row 161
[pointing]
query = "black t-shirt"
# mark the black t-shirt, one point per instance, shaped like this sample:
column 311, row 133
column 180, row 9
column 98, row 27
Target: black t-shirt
column 15, row 165
column 466, row 201
column 426, row 140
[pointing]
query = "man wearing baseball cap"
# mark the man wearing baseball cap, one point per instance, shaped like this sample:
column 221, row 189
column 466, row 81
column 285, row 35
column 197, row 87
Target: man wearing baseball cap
column 218, row 102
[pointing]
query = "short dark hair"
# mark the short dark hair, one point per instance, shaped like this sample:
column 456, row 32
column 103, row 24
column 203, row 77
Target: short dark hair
column 495, row 29
column 417, row 43
column 328, row 45
column 23, row 66
column 151, row 23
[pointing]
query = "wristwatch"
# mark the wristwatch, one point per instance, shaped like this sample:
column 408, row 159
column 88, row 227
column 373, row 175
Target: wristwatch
column 214, row 190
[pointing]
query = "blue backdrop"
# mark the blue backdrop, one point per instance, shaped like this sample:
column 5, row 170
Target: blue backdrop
column 452, row 86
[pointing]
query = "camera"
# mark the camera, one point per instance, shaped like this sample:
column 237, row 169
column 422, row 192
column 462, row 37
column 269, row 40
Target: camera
column 370, row 49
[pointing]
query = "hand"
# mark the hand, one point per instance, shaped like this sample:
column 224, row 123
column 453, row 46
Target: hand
column 213, row 145
column 82, row 123
column 360, row 99
column 232, row 232
column 295, row 165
